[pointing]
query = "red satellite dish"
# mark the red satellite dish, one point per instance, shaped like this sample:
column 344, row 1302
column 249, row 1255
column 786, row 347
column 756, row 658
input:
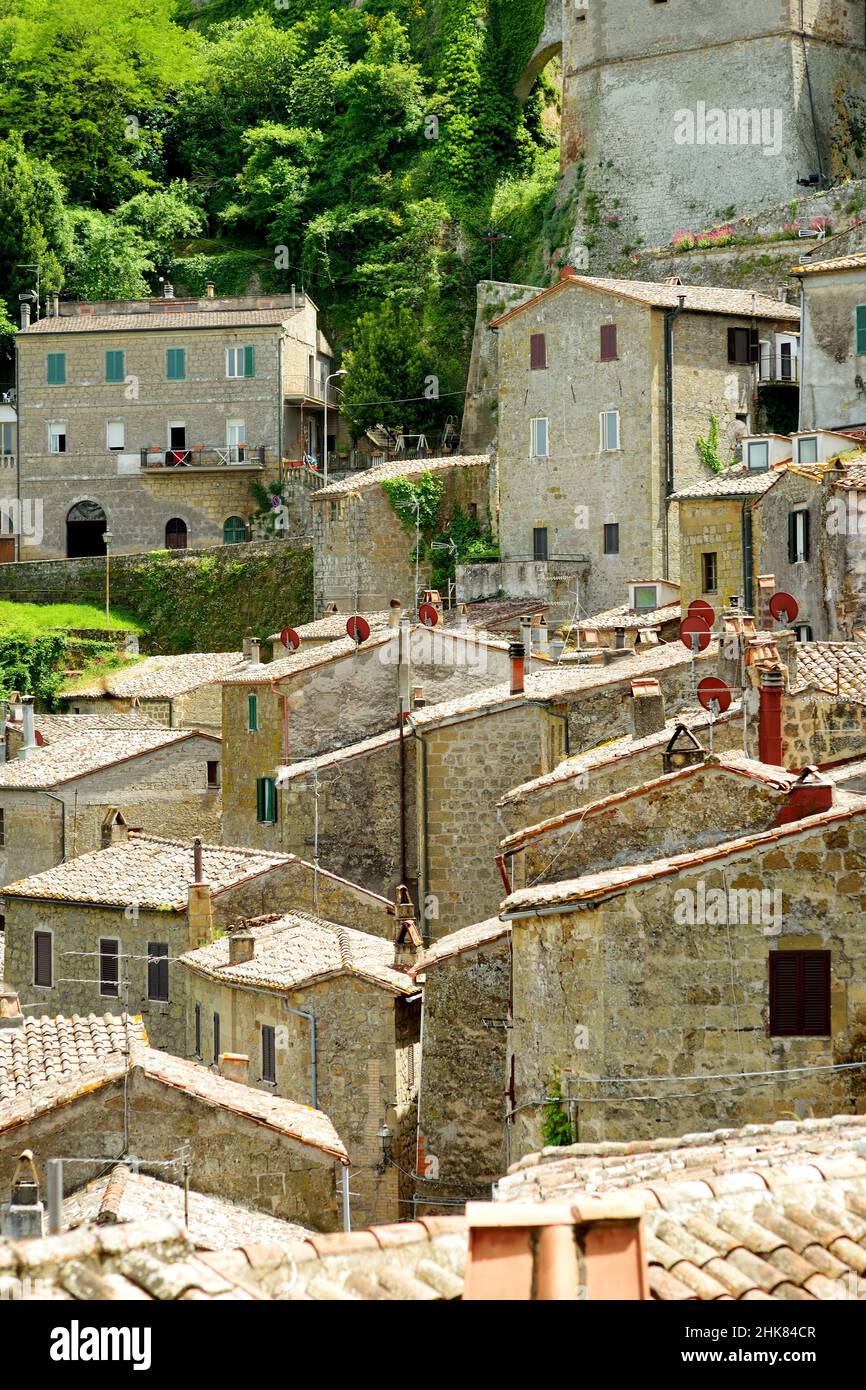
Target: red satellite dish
column 695, row 627
column 699, row 608
column 712, row 689
column 428, row 614
column 784, row 608
column 290, row 638
column 358, row 628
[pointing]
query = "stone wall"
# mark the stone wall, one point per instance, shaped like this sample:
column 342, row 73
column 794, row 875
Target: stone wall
column 817, row 727
column 711, row 527
column 810, row 581
column 481, row 403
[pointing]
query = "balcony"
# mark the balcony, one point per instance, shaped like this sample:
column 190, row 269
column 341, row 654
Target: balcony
column 208, row 456
column 7, row 463
column 309, row 390
column 779, row 367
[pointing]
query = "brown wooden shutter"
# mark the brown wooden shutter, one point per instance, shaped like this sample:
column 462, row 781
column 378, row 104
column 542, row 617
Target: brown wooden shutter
column 732, row 344
column 109, row 974
column 800, row 993
column 815, row 992
column 269, row 1057
column 537, row 352
column 784, row 974
column 754, row 345
column 42, row 961
column 608, row 342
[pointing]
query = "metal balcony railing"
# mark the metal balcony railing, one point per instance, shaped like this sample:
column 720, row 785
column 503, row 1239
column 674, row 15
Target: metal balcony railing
column 309, row 388
column 208, row 456
column 777, row 368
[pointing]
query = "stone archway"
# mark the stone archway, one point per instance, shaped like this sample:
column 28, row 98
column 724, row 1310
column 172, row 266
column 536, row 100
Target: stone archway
column 549, row 44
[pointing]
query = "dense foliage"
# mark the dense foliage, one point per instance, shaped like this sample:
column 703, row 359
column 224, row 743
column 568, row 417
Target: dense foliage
column 361, row 152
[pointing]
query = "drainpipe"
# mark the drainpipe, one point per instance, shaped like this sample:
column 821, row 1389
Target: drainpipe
column 18, row 447
column 670, row 315
column 423, row 858
column 280, row 411
column 747, row 546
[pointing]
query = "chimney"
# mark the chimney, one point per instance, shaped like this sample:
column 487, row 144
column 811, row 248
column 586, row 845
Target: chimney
column 539, row 628
column 517, row 655
column 248, row 646
column 418, row 700
column 255, row 651
column 11, row 1016
column 235, row 1066
column 556, row 1251
column 407, row 938
column 647, row 708
column 294, row 298
column 463, row 621
column 199, row 904
column 405, row 665
column 197, row 861
column 25, row 313
column 683, row 750
column 208, row 288
column 810, row 795
column 526, row 639
column 23, row 1216
column 394, row 613
column 167, row 289
column 770, row 718
column 28, row 728
column 242, row 946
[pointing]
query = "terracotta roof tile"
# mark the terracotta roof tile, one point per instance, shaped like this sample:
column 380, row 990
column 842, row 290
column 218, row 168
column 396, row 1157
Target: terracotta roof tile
column 81, row 754
column 158, row 677
column 59, row 1048
column 399, row 468
column 835, row 667
column 166, row 320
column 698, row 298
column 458, row 942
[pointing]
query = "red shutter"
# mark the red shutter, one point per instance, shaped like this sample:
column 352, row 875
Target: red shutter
column 537, row 352
column 815, row 993
column 784, row 973
column 608, row 342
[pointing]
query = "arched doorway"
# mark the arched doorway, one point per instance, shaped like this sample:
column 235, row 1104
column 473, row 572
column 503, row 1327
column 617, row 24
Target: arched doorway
column 175, row 534
column 85, row 528
column 234, row 530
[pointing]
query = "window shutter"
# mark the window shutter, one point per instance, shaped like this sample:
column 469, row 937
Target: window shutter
column 252, row 714
column 754, row 345
column 861, row 330
column 157, row 971
column 42, row 962
column 270, row 799
column 260, row 798
column 732, row 344
column 109, row 974
column 805, row 516
column 198, row 1030
column 216, row 1038
column 537, row 352
column 815, row 992
column 792, row 538
column 269, row 1060
column 608, row 342
column 784, row 974
column 249, row 361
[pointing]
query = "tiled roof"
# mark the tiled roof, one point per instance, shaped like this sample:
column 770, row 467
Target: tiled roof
column 58, row 1049
column 166, row 321
column 410, row 1261
column 304, row 659
column 857, row 261
column 296, row 950
column 158, row 677
column 88, row 752
column 852, row 477
column 833, row 667
column 626, row 617
column 458, row 942
column 398, row 468
column 619, row 749
column 774, row 1211
column 145, row 870
column 333, row 625
column 215, row 1223
column 733, row 482
column 698, row 298
column 54, row 727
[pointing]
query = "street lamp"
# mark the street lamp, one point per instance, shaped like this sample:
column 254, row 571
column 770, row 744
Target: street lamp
column 328, row 380
column 107, row 538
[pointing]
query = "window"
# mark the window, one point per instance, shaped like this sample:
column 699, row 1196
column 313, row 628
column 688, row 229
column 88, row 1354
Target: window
column 537, row 352
column 743, row 346
column 240, row 361
column 109, row 974
column 43, row 964
column 611, row 538
column 213, row 773
column 800, row 994
column 57, row 437
column 216, row 1039
column 539, row 543
column 645, row 596
column 252, row 713
column 197, row 1052
column 861, row 330
column 55, row 369
column 758, row 456
column 157, row 971
column 2, row 828
column 176, row 534
column 234, row 530
column 235, row 439
column 114, row 366
column 609, row 422
column 266, row 800
column 115, row 434
column 798, row 536
column 709, row 572
column 269, row 1054
column 608, row 342
column 175, row 364
column 804, row 632
column 7, row 437
column 538, row 438
column 807, row 449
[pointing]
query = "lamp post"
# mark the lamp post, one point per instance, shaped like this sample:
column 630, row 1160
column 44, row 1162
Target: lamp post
column 107, row 539
column 328, row 380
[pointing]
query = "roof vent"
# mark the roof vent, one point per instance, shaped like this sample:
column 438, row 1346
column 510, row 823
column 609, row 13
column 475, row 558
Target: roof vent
column 683, row 750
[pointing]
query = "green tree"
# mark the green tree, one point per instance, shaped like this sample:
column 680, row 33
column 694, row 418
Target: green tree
column 34, row 226
column 108, row 259
column 389, row 373
column 161, row 218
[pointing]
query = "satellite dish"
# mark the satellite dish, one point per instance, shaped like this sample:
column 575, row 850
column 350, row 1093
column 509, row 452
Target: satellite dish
column 713, row 690
column 699, row 608
column 428, row 614
column 695, row 627
column 358, row 628
column 290, row 638
column 784, row 608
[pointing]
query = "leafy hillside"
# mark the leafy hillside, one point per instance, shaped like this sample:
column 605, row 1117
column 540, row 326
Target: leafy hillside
column 359, row 151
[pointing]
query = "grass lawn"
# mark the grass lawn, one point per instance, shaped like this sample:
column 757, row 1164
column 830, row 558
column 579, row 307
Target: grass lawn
column 33, row 619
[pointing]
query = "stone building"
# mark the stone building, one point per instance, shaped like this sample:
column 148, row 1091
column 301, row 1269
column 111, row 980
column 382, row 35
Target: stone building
column 149, row 419
column 655, row 989
column 177, row 691
column 364, row 551
column 605, row 386
column 50, row 729
column 93, row 1090
column 834, row 342
column 85, row 792
column 462, row 1090
column 320, row 1014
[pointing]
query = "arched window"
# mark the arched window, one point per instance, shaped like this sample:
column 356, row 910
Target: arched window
column 175, row 534
column 85, row 527
column 234, row 530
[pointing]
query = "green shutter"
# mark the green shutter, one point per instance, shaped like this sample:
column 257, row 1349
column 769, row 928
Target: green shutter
column 266, row 800
column 260, row 798
column 56, row 369
column 175, row 364
column 114, row 366
column 792, row 538
column 252, row 713
column 249, row 361
column 861, row 330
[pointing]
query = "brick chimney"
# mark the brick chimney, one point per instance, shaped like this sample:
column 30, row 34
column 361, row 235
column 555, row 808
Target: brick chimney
column 647, row 707
column 11, row 1016
column 810, row 795
column 539, row 632
column 556, row 1251
column 235, row 1066
column 242, row 946
column 517, row 655
column 407, row 938
column 23, row 1216
column 199, row 912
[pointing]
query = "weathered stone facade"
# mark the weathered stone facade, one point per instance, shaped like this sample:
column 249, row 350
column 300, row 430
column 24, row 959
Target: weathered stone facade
column 831, row 397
